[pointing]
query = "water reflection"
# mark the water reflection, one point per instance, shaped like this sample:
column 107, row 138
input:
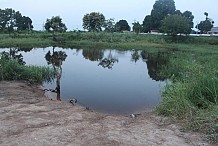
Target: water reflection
column 111, row 81
column 155, row 64
column 26, row 49
column 56, row 58
column 93, row 54
column 135, row 56
column 13, row 54
column 108, row 62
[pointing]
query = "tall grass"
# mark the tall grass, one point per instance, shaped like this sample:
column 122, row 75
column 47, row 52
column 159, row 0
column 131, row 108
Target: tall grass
column 193, row 92
column 12, row 70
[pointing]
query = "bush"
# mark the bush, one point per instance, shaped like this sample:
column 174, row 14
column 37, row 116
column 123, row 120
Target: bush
column 10, row 69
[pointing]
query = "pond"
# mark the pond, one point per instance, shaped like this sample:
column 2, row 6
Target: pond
column 109, row 81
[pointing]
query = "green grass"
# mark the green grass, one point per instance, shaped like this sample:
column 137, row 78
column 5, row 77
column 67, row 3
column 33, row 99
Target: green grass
column 12, row 70
column 192, row 95
column 103, row 40
column 25, row 42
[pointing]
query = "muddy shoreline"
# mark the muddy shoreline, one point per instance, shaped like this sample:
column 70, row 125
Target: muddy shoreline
column 27, row 117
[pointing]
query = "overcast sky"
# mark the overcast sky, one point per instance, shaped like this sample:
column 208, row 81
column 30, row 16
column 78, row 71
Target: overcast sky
column 72, row 11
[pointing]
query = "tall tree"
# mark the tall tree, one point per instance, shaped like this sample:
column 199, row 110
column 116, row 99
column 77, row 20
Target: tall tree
column 206, row 25
column 55, row 24
column 121, row 26
column 56, row 58
column 137, row 27
column 24, row 23
column 147, row 24
column 93, row 21
column 109, row 25
column 9, row 19
column 161, row 9
column 176, row 24
column 189, row 16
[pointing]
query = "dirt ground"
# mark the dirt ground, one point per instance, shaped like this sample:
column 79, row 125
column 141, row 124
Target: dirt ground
column 28, row 118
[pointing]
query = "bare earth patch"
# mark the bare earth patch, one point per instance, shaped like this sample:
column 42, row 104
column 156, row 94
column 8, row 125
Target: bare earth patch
column 28, row 118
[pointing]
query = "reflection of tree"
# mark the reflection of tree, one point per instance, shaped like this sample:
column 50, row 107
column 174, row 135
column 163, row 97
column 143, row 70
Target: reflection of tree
column 12, row 54
column 93, row 54
column 56, row 58
column 108, row 62
column 155, row 64
column 25, row 49
column 135, row 56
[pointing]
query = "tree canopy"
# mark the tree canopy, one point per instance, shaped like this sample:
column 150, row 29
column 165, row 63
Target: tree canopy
column 206, row 25
column 11, row 20
column 189, row 16
column 109, row 25
column 93, row 21
column 55, row 24
column 137, row 27
column 121, row 26
column 161, row 9
column 147, row 24
column 176, row 24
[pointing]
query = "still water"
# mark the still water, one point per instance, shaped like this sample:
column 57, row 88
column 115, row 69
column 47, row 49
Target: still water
column 109, row 81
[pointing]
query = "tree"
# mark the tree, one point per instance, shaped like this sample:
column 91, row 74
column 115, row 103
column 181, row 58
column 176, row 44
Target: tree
column 24, row 23
column 177, row 12
column 147, row 24
column 93, row 21
column 8, row 19
column 176, row 24
column 55, row 24
column 137, row 27
column 161, row 9
column 56, row 58
column 11, row 20
column 121, row 26
column 109, row 25
column 189, row 16
column 206, row 25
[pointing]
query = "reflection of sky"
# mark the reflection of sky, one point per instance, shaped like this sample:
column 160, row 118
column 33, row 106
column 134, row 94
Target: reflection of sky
column 125, row 88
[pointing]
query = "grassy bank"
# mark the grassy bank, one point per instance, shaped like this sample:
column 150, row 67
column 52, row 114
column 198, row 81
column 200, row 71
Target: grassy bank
column 12, row 69
column 100, row 40
column 192, row 95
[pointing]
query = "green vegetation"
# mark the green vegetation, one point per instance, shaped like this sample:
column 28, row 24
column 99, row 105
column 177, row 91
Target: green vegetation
column 14, row 69
column 176, row 24
column 192, row 95
column 122, row 26
column 206, row 25
column 102, row 40
column 12, row 20
column 55, row 24
column 137, row 27
column 93, row 21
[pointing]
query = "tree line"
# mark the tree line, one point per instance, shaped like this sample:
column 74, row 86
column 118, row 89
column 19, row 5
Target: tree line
column 11, row 20
column 163, row 18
